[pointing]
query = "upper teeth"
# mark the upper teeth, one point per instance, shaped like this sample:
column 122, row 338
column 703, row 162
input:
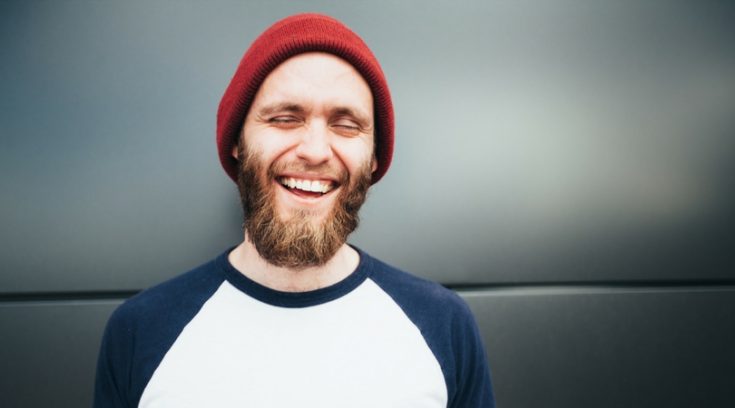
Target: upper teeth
column 306, row 185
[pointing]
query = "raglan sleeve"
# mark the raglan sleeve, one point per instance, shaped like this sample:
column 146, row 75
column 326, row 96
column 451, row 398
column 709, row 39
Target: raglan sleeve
column 113, row 364
column 473, row 385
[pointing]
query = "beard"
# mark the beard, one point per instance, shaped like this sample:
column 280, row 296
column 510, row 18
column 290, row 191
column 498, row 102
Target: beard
column 297, row 242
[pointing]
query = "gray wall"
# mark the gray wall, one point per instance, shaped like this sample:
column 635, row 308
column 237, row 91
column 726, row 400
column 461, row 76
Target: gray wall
column 565, row 165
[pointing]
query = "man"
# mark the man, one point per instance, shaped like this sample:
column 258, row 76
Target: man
column 294, row 316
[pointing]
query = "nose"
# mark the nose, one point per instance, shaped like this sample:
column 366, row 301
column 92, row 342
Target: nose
column 314, row 147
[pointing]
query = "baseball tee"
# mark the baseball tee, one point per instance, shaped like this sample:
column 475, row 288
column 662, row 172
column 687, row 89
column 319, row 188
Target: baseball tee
column 214, row 338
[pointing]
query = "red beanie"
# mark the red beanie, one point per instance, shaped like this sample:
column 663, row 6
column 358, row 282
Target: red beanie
column 288, row 37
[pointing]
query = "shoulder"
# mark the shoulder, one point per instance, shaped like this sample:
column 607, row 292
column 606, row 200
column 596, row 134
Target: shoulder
column 449, row 329
column 168, row 299
column 419, row 296
column 143, row 328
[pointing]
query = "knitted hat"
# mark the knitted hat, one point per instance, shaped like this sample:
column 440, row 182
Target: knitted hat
column 288, row 37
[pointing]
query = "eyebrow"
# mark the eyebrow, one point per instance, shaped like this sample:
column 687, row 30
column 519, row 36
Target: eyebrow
column 281, row 107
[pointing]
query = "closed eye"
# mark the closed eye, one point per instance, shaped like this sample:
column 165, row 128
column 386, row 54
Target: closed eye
column 347, row 125
column 284, row 121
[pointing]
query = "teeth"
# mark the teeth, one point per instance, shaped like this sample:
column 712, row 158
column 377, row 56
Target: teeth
column 315, row 186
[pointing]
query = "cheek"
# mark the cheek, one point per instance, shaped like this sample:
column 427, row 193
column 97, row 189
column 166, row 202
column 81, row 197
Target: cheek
column 270, row 146
column 356, row 154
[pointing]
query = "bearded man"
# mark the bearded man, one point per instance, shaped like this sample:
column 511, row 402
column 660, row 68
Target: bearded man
column 294, row 316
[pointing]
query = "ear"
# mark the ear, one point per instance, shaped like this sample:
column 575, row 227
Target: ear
column 374, row 165
column 236, row 143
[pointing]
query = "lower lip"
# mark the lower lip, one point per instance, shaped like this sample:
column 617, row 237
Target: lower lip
column 304, row 194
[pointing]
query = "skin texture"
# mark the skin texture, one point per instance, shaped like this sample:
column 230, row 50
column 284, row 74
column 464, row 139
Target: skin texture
column 311, row 119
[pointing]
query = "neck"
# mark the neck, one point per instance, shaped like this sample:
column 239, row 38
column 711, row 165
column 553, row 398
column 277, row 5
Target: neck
column 246, row 259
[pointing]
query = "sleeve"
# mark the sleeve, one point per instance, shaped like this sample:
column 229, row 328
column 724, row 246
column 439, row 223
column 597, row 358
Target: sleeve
column 473, row 385
column 113, row 365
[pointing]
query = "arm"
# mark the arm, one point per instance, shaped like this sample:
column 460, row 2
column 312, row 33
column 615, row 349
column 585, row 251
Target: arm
column 113, row 366
column 473, row 385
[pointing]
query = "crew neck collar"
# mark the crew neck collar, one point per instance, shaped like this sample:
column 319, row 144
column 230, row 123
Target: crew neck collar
column 296, row 299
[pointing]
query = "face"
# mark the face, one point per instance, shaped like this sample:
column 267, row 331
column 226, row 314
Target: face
column 306, row 156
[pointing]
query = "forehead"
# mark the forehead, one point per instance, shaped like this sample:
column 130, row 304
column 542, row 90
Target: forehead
column 316, row 78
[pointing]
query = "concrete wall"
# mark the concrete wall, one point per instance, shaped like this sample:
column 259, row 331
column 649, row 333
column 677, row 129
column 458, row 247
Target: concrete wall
column 566, row 166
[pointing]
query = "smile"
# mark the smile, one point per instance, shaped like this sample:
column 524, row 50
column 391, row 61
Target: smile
column 310, row 187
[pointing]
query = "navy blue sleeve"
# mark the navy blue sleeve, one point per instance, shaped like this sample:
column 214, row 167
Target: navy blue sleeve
column 473, row 385
column 113, row 365
column 140, row 332
column 447, row 325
